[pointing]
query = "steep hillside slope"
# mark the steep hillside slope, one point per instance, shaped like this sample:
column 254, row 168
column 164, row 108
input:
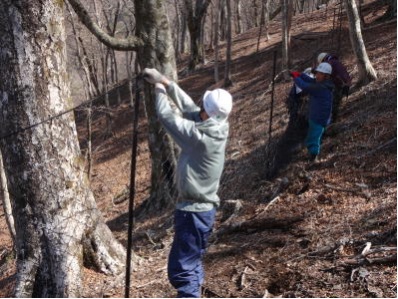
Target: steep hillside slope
column 298, row 232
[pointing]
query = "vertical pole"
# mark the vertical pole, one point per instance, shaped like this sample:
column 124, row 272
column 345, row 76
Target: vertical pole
column 269, row 153
column 272, row 99
column 340, row 28
column 132, row 185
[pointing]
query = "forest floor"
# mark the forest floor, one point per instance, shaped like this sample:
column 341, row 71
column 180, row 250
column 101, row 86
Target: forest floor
column 303, row 226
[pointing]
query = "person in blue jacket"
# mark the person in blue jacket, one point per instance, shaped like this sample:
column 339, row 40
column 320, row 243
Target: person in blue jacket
column 320, row 90
column 201, row 133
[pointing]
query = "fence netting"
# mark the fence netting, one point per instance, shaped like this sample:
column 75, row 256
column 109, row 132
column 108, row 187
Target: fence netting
column 252, row 156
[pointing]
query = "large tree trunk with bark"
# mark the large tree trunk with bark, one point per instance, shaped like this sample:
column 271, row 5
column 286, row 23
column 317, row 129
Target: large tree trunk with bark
column 365, row 69
column 157, row 52
column 54, row 210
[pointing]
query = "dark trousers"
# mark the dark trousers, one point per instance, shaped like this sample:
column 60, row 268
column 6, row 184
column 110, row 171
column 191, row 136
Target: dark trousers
column 185, row 270
column 337, row 99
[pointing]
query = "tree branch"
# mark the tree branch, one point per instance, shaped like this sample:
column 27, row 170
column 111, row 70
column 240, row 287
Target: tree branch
column 131, row 43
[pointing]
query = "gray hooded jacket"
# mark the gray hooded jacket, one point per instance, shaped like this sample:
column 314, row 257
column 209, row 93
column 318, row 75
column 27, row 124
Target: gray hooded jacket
column 202, row 144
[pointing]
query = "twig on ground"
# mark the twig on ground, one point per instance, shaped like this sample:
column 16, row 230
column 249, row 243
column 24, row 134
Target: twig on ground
column 378, row 148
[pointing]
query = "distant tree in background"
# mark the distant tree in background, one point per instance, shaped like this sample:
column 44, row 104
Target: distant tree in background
column 227, row 75
column 365, row 69
column 287, row 14
column 195, row 14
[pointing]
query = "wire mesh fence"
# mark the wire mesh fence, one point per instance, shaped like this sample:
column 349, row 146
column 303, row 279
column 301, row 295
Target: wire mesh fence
column 251, row 158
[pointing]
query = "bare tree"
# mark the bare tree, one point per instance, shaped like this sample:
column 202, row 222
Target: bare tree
column 238, row 17
column 195, row 17
column 227, row 76
column 365, row 69
column 264, row 22
column 57, row 222
column 154, row 48
column 218, row 16
column 287, row 12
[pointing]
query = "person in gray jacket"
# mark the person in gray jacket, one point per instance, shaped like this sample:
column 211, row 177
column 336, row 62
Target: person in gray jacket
column 201, row 133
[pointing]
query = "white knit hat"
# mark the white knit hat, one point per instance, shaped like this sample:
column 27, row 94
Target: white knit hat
column 217, row 103
column 325, row 68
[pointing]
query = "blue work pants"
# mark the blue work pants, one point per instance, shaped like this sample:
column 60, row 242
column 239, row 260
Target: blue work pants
column 314, row 136
column 185, row 270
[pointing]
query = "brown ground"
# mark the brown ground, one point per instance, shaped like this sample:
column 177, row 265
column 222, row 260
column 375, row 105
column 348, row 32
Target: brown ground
column 339, row 204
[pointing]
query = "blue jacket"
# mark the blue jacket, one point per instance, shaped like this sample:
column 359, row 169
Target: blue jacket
column 321, row 98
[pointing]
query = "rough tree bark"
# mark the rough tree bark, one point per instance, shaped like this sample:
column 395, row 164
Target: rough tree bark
column 54, row 210
column 152, row 27
column 366, row 72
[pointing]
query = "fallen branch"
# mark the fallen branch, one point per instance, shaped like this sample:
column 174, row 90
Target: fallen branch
column 390, row 259
column 394, row 140
column 361, row 190
column 258, row 224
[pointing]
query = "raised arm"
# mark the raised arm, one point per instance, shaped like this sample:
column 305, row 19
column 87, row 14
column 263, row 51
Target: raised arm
column 179, row 97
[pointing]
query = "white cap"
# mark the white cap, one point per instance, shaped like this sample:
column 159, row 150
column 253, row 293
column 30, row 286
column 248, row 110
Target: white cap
column 321, row 56
column 325, row 68
column 217, row 103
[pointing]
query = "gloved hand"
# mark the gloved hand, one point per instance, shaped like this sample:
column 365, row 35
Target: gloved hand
column 153, row 76
column 346, row 90
column 295, row 74
column 308, row 71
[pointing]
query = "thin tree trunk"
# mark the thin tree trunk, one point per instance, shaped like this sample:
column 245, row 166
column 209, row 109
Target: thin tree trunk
column 177, row 30
column 5, row 196
column 286, row 6
column 238, row 14
column 216, row 41
column 255, row 13
column 227, row 76
column 365, row 69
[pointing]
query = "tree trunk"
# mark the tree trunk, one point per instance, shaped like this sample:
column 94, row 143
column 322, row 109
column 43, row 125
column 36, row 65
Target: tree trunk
column 177, row 30
column 238, row 18
column 216, row 39
column 5, row 198
column 264, row 21
column 227, row 76
column 194, row 21
column 157, row 52
column 365, row 69
column 255, row 13
column 287, row 11
column 54, row 210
